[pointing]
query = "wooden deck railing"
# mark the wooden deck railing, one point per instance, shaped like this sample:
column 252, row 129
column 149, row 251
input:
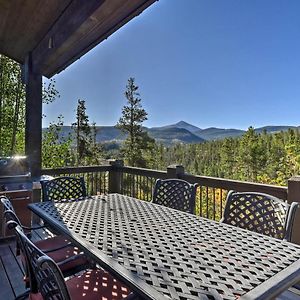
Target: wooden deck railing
column 114, row 177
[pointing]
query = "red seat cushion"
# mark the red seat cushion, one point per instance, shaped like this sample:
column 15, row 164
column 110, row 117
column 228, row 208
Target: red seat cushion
column 93, row 285
column 37, row 296
column 62, row 254
column 56, row 241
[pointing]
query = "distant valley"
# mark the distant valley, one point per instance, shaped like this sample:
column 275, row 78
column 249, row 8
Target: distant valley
column 181, row 132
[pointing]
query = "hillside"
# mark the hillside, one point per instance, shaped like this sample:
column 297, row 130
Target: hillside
column 213, row 133
column 109, row 133
column 273, row 129
column 171, row 135
column 167, row 135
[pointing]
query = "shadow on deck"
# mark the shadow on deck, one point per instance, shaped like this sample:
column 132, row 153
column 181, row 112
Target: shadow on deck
column 11, row 270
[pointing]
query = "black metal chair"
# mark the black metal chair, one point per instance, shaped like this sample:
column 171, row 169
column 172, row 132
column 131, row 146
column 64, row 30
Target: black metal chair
column 175, row 193
column 58, row 247
column 10, row 214
column 63, row 189
column 92, row 284
column 261, row 213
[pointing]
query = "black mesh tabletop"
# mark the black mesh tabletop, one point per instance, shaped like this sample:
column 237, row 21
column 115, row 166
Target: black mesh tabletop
column 167, row 254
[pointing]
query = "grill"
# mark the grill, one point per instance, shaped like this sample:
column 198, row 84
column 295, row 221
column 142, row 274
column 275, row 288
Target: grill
column 16, row 184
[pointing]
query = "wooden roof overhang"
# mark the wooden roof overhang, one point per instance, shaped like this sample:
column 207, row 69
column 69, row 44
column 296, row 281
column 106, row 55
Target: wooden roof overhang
column 57, row 32
column 46, row 36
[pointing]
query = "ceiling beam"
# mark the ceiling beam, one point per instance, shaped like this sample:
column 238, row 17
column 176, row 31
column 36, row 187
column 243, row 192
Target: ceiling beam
column 112, row 15
column 75, row 14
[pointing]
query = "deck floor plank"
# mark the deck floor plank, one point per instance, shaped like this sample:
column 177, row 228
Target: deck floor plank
column 13, row 269
column 6, row 290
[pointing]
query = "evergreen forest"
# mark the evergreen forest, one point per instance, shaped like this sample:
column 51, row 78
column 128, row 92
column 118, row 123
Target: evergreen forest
column 256, row 157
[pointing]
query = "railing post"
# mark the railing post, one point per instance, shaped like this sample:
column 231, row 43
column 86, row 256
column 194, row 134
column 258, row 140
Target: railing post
column 294, row 196
column 175, row 171
column 115, row 176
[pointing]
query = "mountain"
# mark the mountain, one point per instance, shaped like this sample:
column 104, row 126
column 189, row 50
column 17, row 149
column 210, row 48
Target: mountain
column 108, row 133
column 65, row 131
column 181, row 125
column 213, row 133
column 171, row 135
column 273, row 129
column 181, row 132
column 166, row 135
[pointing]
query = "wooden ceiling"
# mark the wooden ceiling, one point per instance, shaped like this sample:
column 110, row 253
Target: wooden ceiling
column 58, row 32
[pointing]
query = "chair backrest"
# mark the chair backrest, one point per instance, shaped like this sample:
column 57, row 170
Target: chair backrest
column 261, row 213
column 50, row 281
column 6, row 203
column 175, row 193
column 8, row 210
column 63, row 188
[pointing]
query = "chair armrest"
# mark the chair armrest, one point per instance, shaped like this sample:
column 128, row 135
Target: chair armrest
column 33, row 228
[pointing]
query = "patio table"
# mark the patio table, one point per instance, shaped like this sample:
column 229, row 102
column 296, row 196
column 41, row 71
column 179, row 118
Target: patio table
column 163, row 253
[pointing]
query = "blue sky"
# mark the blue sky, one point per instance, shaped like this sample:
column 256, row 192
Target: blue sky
column 212, row 63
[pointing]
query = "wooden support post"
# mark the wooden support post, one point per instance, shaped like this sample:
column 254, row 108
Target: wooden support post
column 33, row 125
column 115, row 176
column 294, row 196
column 175, row 171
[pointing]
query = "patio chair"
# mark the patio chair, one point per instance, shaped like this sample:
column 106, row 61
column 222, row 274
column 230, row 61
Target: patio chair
column 58, row 247
column 92, row 284
column 63, row 188
column 9, row 213
column 261, row 213
column 175, row 193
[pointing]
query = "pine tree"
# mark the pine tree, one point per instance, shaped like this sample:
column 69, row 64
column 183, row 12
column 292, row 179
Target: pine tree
column 133, row 116
column 88, row 151
column 83, row 132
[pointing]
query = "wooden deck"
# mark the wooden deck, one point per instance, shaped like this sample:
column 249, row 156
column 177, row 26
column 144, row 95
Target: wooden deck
column 11, row 271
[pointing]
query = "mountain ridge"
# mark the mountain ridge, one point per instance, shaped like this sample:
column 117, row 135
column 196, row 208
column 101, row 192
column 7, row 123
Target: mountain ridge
column 180, row 132
column 180, row 124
